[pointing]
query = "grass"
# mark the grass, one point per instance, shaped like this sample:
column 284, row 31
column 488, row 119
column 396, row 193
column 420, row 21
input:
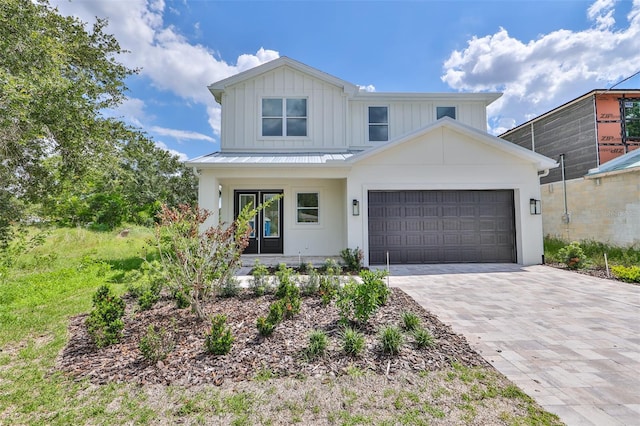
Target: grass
column 594, row 252
column 56, row 281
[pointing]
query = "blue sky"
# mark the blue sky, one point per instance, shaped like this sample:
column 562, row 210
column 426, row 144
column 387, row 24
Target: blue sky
column 540, row 53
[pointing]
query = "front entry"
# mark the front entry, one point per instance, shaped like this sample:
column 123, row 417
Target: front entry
column 266, row 234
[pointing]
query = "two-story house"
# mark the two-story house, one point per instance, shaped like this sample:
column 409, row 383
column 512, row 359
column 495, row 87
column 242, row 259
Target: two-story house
column 408, row 177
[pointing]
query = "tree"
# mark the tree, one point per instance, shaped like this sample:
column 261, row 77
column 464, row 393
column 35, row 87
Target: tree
column 55, row 79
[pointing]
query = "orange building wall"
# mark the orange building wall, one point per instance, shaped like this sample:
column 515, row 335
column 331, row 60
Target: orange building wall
column 609, row 133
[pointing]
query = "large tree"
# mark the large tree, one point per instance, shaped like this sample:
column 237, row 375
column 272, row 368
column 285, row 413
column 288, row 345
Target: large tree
column 56, row 76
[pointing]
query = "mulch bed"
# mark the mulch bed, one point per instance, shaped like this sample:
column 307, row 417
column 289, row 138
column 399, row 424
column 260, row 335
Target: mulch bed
column 282, row 354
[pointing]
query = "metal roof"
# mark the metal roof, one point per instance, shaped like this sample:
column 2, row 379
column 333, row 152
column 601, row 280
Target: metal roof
column 626, row 162
column 270, row 158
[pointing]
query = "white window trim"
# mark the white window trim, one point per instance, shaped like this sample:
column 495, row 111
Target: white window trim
column 455, row 108
column 308, row 191
column 379, row 124
column 284, row 117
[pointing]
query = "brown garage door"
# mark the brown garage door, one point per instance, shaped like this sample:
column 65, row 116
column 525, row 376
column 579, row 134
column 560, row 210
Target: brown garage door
column 441, row 226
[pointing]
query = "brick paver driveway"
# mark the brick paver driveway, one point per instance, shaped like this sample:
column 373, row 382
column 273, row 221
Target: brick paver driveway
column 570, row 341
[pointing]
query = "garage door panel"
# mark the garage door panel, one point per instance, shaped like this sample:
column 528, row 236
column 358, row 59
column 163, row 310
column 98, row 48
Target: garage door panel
column 441, row 226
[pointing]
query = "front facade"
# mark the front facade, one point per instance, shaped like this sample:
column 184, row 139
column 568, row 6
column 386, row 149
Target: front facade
column 591, row 132
column 407, row 177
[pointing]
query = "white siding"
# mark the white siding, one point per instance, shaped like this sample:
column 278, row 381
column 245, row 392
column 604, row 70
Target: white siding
column 241, row 118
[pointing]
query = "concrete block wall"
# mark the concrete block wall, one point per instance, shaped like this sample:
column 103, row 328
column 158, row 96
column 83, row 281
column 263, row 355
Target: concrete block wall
column 606, row 209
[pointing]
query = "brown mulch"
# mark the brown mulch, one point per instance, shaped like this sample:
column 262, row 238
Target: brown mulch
column 282, row 354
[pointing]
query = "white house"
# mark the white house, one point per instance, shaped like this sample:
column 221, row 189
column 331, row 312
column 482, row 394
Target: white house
column 414, row 176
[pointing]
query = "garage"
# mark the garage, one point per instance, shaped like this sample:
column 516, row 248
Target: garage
column 443, row 226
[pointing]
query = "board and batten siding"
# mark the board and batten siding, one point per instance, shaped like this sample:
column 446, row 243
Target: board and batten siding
column 406, row 116
column 326, row 112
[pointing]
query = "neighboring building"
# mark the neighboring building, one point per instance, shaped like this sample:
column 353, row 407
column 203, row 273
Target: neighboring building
column 414, row 176
column 584, row 136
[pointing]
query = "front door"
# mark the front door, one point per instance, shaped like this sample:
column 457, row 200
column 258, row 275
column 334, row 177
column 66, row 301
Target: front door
column 266, row 226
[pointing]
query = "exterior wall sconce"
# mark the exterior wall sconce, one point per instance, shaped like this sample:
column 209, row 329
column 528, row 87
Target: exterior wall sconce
column 356, row 208
column 534, row 206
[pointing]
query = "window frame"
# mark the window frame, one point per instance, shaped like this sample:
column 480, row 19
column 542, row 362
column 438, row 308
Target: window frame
column 299, row 208
column 369, row 123
column 455, row 111
column 626, row 120
column 284, row 117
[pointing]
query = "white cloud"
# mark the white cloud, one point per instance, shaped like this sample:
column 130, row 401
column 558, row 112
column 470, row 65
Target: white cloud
column 180, row 134
column 368, row 88
column 181, row 155
column 542, row 74
column 165, row 56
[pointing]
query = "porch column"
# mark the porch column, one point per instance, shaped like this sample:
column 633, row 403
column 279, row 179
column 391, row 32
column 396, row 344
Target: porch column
column 209, row 197
column 355, row 223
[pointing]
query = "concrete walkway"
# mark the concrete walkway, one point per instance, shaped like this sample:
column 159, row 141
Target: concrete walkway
column 570, row 341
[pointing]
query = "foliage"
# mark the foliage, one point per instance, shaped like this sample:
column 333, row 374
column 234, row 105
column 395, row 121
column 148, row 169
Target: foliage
column 352, row 341
column 145, row 285
column 105, row 323
column 318, row 342
column 219, row 339
column 359, row 301
column 288, row 291
column 423, row 338
column 276, row 312
column 391, row 339
column 18, row 242
column 629, row 274
column 264, row 326
column 572, row 255
column 311, row 284
column 594, row 252
column 230, row 287
column 259, row 284
column 410, row 321
column 329, row 281
column 195, row 262
column 352, row 258
column 156, row 344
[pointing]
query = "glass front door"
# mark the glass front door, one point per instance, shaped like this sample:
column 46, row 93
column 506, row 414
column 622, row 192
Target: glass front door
column 266, row 226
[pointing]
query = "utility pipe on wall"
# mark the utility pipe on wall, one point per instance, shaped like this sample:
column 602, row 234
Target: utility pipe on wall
column 565, row 216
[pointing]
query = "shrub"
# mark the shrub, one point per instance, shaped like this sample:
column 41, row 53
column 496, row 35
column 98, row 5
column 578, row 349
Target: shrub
column 105, row 323
column 391, row 339
column 311, row 284
column 572, row 255
column 260, row 279
column 423, row 338
column 410, row 321
column 318, row 342
column 276, row 312
column 218, row 340
column 629, row 274
column 156, row 344
column 327, row 288
column 181, row 300
column 230, row 287
column 352, row 341
column 352, row 258
column 286, row 281
column 264, row 326
column 358, row 302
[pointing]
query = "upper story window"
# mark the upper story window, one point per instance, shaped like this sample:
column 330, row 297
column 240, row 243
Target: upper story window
column 378, row 123
column 632, row 119
column 284, row 117
column 445, row 112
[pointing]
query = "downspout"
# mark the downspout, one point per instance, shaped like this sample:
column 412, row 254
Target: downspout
column 565, row 216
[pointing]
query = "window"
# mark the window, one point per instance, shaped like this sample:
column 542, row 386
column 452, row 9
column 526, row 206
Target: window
column 284, row 117
column 632, row 119
column 445, row 112
column 378, row 123
column 308, row 207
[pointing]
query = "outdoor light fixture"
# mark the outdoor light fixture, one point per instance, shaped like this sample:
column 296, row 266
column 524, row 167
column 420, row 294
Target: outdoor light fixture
column 356, row 208
column 534, row 206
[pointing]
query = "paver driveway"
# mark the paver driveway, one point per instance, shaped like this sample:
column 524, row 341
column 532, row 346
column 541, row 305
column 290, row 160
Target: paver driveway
column 570, row 341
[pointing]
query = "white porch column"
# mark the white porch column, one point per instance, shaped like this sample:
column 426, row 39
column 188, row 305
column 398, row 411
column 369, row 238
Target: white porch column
column 209, row 197
column 356, row 223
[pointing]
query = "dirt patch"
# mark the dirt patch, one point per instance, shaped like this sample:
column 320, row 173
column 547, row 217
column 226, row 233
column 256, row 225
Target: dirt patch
column 281, row 355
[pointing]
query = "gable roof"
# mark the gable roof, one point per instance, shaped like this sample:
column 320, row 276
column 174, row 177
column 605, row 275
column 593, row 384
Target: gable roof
column 542, row 162
column 218, row 87
column 627, row 162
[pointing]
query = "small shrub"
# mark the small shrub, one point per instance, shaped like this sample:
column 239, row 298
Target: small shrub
column 276, row 312
column 182, row 301
column 629, row 274
column 260, row 279
column 156, row 344
column 358, row 302
column 352, row 258
column 105, row 323
column 331, row 267
column 285, row 281
column 230, row 287
column 572, row 255
column 327, row 288
column 352, row 342
column 391, row 339
column 423, row 338
column 219, row 339
column 375, row 280
column 148, row 298
column 410, row 321
column 264, row 326
column 318, row 342
column 311, row 284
